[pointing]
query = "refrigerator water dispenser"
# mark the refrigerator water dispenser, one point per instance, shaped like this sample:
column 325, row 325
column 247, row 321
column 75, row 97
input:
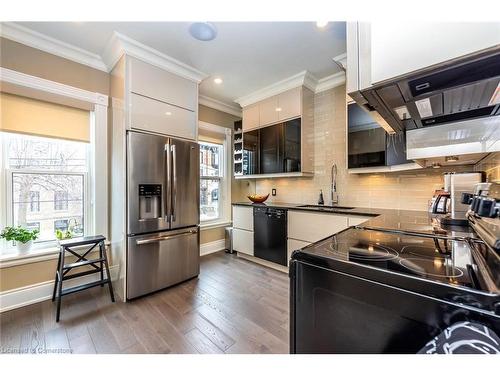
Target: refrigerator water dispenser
column 149, row 201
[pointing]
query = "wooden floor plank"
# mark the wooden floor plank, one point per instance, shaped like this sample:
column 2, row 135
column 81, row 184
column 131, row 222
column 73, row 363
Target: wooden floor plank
column 234, row 306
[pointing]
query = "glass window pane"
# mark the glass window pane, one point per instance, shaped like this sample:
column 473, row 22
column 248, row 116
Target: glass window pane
column 210, row 159
column 60, row 199
column 39, row 153
column 209, row 199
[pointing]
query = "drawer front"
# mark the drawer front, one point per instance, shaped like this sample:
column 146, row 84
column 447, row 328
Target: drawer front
column 243, row 241
column 356, row 220
column 312, row 227
column 243, row 218
column 293, row 245
column 156, row 83
column 153, row 115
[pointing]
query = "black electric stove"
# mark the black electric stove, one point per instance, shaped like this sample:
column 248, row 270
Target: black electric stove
column 367, row 290
column 451, row 262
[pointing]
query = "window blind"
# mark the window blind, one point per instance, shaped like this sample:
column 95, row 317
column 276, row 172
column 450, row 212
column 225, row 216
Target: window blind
column 20, row 114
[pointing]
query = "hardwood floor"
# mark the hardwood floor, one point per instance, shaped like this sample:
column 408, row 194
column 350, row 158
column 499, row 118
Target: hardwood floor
column 234, row 306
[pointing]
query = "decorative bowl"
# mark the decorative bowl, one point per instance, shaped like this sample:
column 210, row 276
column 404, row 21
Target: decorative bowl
column 258, row 198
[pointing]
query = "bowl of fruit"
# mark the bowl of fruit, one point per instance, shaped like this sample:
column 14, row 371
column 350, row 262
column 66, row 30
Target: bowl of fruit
column 256, row 198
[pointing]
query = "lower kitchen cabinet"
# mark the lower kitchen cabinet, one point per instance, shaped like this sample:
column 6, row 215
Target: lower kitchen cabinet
column 356, row 220
column 243, row 241
column 312, row 226
column 293, row 245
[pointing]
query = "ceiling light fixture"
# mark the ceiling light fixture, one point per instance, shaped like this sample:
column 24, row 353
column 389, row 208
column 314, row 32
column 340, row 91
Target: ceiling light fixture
column 278, row 109
column 321, row 24
column 168, row 113
column 218, row 80
column 436, row 165
column 451, row 158
column 204, row 31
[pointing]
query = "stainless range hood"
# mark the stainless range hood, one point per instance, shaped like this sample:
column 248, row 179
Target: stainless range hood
column 447, row 110
column 464, row 89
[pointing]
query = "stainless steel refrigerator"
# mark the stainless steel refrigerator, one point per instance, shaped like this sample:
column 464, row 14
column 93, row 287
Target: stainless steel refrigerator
column 163, row 212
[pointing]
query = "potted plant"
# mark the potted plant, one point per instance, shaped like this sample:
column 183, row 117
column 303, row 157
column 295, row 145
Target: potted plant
column 23, row 237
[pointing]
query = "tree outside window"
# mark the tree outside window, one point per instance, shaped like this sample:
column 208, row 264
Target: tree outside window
column 48, row 182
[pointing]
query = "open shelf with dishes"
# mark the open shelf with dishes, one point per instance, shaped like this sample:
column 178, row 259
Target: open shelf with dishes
column 238, row 148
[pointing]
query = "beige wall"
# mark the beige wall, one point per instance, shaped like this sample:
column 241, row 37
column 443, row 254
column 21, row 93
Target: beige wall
column 405, row 190
column 41, row 64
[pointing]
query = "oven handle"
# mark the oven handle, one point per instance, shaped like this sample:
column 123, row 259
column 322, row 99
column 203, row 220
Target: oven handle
column 163, row 238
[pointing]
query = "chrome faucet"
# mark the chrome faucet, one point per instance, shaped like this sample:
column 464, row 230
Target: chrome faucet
column 333, row 189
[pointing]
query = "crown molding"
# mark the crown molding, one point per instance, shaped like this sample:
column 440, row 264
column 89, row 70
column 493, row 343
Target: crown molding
column 341, row 59
column 301, row 79
column 23, row 35
column 232, row 109
column 120, row 44
column 330, row 82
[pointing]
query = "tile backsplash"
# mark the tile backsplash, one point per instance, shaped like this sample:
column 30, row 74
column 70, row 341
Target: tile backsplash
column 410, row 190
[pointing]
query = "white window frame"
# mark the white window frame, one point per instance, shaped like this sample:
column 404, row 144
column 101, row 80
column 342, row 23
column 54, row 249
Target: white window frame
column 97, row 104
column 225, row 181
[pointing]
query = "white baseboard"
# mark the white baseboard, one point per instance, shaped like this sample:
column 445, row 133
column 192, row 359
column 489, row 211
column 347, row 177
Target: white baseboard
column 27, row 295
column 212, row 247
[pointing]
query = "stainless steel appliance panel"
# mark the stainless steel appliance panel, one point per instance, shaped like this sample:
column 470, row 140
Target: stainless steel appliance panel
column 159, row 260
column 185, row 172
column 146, row 165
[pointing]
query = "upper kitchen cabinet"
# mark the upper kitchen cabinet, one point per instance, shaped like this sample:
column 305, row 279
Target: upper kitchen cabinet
column 156, row 83
column 154, row 99
column 269, row 110
column 275, row 136
column 251, row 117
column 290, row 104
column 375, row 50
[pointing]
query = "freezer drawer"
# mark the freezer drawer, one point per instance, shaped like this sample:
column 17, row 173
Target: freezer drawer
column 159, row 260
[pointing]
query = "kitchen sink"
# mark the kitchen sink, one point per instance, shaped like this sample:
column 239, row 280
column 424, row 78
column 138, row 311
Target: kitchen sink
column 322, row 207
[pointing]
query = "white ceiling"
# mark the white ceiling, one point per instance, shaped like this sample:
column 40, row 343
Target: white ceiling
column 246, row 55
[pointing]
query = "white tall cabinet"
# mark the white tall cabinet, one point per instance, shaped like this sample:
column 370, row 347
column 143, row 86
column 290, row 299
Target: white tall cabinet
column 144, row 97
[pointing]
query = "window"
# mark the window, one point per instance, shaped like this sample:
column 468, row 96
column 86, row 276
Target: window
column 33, row 225
column 60, row 200
column 34, row 201
column 47, row 183
column 61, row 225
column 211, row 180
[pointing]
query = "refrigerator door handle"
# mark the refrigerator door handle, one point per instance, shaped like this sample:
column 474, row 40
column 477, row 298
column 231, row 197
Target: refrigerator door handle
column 167, row 198
column 174, row 181
column 163, row 238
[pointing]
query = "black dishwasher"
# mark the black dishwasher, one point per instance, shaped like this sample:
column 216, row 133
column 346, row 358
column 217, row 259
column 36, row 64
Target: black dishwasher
column 270, row 232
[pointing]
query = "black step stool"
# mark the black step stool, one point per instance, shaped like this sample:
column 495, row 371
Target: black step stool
column 98, row 265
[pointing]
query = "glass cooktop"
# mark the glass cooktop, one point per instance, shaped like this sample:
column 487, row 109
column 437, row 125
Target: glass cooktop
column 438, row 259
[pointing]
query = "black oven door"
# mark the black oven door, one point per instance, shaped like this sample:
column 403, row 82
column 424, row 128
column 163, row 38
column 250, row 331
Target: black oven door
column 333, row 312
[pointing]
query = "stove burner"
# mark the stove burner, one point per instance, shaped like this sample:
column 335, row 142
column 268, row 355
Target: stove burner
column 429, row 267
column 421, row 251
column 370, row 253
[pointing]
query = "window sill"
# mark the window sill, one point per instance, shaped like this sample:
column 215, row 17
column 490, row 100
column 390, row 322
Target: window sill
column 215, row 224
column 33, row 256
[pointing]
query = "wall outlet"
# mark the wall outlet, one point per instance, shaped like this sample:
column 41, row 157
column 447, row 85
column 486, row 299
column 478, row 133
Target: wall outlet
column 273, row 192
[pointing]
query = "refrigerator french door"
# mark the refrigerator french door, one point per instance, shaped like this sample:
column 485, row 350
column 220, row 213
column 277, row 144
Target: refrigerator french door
column 162, row 212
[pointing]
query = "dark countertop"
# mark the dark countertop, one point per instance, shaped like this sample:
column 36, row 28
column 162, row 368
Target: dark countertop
column 388, row 219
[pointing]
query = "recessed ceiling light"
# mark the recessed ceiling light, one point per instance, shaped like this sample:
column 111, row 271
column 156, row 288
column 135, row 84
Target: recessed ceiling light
column 168, row 113
column 218, row 80
column 278, row 109
column 321, row 24
column 203, row 31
